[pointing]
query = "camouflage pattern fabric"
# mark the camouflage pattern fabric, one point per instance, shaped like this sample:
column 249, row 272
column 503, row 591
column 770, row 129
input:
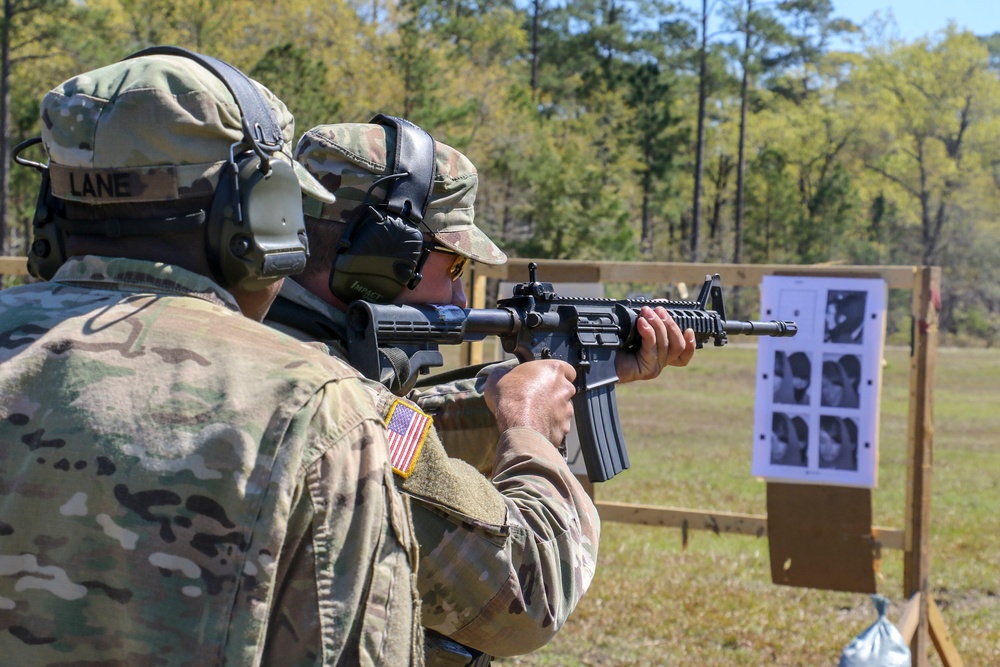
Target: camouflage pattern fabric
column 99, row 157
column 462, row 419
column 507, row 589
column 180, row 485
column 466, row 424
column 347, row 158
column 504, row 559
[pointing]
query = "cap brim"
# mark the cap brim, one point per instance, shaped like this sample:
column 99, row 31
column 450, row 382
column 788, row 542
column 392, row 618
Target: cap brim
column 311, row 186
column 473, row 243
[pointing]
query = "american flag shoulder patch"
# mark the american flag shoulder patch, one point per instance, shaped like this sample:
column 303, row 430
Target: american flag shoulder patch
column 406, row 428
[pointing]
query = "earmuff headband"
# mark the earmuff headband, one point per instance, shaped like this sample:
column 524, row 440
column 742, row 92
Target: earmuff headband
column 408, row 197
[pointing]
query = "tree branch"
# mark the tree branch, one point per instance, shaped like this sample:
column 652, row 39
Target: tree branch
column 895, row 179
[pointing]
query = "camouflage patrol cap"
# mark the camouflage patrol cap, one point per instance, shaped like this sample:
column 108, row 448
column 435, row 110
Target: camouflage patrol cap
column 152, row 128
column 347, row 158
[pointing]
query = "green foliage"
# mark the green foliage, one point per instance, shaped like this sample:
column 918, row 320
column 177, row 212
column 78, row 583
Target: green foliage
column 570, row 209
column 30, row 31
column 299, row 81
column 415, row 59
column 772, row 200
column 581, row 117
column 658, row 136
column 992, row 42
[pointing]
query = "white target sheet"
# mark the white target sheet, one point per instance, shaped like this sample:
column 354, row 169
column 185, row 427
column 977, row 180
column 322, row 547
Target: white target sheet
column 818, row 393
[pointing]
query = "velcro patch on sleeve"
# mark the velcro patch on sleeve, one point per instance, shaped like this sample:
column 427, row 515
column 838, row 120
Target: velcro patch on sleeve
column 406, row 428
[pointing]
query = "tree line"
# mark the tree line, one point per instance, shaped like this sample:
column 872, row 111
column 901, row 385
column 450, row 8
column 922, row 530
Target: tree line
column 733, row 131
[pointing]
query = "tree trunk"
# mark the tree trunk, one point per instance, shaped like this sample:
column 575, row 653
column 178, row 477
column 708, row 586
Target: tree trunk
column 536, row 8
column 508, row 194
column 927, row 240
column 646, row 242
column 8, row 13
column 741, row 163
column 610, row 19
column 699, row 161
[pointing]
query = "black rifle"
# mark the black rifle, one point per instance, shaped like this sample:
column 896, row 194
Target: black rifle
column 537, row 323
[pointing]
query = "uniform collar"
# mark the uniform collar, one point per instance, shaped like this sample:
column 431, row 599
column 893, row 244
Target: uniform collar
column 135, row 275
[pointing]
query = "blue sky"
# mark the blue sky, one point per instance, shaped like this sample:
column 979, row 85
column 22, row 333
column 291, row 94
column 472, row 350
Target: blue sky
column 913, row 18
column 919, row 18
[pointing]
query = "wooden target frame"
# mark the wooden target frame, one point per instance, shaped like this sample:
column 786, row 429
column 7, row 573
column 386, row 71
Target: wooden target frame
column 920, row 622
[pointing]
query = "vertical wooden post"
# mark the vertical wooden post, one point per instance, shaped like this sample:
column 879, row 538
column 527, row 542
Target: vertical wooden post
column 923, row 357
column 471, row 354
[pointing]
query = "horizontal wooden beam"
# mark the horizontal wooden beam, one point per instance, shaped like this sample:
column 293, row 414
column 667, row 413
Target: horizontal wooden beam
column 561, row 270
column 717, row 522
column 13, row 266
column 650, row 515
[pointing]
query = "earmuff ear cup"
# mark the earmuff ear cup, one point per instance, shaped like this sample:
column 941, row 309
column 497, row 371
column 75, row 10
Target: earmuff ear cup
column 383, row 249
column 380, row 257
column 256, row 232
column 48, row 249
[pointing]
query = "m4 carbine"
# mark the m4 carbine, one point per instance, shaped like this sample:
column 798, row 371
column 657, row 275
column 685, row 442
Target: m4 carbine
column 537, row 323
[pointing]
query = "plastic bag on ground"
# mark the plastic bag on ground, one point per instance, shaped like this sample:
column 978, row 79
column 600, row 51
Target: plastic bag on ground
column 881, row 645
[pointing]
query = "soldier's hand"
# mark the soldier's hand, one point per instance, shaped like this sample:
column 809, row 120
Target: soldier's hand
column 535, row 395
column 663, row 344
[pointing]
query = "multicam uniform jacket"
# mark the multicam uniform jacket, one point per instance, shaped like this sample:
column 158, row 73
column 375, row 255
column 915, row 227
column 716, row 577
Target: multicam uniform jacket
column 180, row 485
column 504, row 560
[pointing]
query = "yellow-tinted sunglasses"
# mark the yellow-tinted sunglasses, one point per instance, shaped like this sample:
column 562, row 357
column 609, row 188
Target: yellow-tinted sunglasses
column 458, row 263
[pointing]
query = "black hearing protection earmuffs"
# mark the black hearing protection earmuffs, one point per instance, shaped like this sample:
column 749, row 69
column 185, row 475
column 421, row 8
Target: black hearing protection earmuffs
column 383, row 250
column 254, row 229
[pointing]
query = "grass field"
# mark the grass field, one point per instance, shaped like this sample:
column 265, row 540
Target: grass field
column 713, row 603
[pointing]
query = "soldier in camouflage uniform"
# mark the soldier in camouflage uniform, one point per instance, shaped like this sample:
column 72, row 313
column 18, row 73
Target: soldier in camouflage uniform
column 179, row 484
column 504, row 560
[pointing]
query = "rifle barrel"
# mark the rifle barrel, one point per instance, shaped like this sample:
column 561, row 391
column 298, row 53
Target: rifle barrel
column 776, row 328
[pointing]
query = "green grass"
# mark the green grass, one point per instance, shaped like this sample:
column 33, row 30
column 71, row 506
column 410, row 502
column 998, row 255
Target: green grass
column 713, row 603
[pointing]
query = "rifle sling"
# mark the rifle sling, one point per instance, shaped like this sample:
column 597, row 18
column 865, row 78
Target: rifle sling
column 445, row 377
column 306, row 320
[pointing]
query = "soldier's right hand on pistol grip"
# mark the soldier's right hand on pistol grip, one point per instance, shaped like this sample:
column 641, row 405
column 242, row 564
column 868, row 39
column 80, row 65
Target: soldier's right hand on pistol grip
column 536, row 395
